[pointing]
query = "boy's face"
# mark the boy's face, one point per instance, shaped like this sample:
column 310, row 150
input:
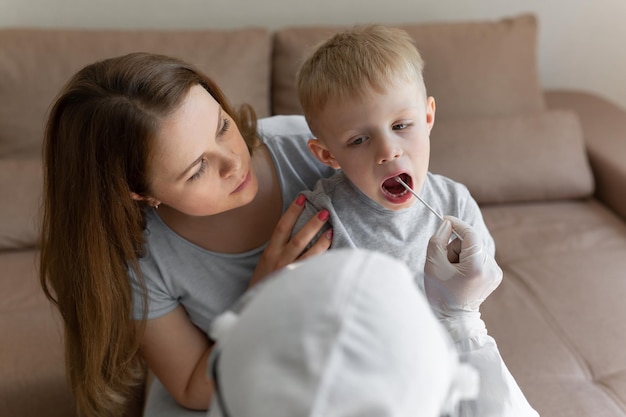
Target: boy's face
column 374, row 138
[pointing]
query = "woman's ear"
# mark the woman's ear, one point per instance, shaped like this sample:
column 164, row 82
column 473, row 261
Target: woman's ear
column 153, row 202
column 318, row 149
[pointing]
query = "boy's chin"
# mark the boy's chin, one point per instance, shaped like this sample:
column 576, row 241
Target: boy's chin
column 396, row 206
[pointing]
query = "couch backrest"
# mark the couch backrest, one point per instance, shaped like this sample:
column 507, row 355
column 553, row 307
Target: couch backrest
column 35, row 64
column 492, row 131
column 485, row 68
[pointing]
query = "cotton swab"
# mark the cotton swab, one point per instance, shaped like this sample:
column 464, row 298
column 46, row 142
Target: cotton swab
column 405, row 185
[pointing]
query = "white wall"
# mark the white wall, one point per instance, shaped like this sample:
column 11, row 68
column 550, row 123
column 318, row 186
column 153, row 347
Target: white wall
column 581, row 41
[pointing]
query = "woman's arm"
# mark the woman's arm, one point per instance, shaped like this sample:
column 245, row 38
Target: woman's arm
column 176, row 351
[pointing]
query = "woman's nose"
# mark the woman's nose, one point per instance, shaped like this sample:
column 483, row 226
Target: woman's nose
column 229, row 163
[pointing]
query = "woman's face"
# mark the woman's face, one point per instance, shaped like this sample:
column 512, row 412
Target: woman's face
column 201, row 165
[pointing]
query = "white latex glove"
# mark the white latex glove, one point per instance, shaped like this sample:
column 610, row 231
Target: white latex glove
column 458, row 277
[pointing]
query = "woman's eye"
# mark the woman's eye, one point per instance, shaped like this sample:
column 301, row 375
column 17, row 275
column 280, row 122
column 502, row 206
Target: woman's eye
column 225, row 126
column 200, row 171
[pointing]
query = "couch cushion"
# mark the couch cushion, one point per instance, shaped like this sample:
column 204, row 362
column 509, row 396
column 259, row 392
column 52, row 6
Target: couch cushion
column 34, row 65
column 33, row 381
column 472, row 68
column 21, row 187
column 534, row 156
column 558, row 316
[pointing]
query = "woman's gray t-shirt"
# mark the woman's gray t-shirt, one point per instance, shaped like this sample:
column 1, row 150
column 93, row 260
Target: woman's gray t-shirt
column 205, row 283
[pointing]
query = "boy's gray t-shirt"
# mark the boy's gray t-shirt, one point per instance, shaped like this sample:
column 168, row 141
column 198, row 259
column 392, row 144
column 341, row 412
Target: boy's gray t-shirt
column 178, row 272
column 359, row 222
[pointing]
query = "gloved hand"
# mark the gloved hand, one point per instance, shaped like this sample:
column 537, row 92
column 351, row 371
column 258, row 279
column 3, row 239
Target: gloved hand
column 458, row 277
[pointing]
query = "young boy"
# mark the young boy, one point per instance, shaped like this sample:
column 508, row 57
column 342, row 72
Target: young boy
column 364, row 98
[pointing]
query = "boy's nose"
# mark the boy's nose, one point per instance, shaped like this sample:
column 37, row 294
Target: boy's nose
column 387, row 150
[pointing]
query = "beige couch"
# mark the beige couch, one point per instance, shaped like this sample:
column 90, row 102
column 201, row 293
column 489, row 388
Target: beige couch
column 548, row 168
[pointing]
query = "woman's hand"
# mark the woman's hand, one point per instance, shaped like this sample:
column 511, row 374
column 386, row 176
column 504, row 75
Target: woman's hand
column 458, row 277
column 283, row 249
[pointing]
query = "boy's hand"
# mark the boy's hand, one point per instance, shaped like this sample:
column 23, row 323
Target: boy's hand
column 283, row 249
column 458, row 276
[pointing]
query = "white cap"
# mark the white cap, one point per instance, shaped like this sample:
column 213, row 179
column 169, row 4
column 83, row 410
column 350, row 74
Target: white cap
column 346, row 333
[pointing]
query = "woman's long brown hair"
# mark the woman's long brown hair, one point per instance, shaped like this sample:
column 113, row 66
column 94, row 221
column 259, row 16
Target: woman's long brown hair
column 97, row 145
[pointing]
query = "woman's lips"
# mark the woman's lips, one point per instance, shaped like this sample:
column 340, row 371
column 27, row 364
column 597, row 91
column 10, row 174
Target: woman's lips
column 244, row 183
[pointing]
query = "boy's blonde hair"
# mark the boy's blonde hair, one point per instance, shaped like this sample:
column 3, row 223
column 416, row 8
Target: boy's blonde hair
column 353, row 62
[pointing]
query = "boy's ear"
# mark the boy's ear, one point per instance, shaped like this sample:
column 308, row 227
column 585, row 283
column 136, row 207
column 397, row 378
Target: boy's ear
column 430, row 112
column 318, row 149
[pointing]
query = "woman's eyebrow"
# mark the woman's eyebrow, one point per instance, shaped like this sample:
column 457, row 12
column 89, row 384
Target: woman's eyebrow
column 219, row 119
column 193, row 164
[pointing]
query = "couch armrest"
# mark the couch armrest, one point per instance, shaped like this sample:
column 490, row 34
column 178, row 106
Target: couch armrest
column 604, row 128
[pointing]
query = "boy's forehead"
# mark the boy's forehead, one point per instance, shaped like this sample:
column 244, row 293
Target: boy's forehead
column 343, row 106
column 394, row 84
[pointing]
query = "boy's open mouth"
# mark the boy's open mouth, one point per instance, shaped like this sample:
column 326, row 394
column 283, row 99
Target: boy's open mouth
column 392, row 188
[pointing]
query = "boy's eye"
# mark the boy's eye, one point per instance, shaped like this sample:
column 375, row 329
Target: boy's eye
column 400, row 126
column 358, row 141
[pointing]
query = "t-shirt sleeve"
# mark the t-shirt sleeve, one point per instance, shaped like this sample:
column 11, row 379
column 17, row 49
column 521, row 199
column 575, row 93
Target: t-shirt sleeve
column 474, row 216
column 286, row 138
column 458, row 201
column 312, row 207
column 159, row 299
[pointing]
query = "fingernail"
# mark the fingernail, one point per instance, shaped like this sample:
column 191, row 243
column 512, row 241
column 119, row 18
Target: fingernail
column 329, row 234
column 324, row 215
column 300, row 200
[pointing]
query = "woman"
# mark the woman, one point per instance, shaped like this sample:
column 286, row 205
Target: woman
column 162, row 205
column 127, row 137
